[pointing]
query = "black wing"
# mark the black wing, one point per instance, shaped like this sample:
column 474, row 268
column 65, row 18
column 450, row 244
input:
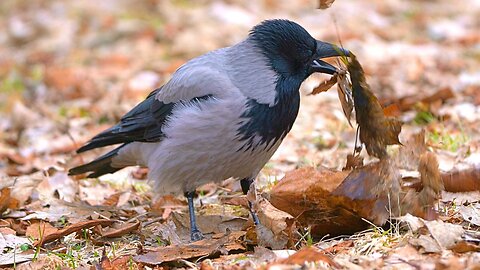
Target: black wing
column 142, row 124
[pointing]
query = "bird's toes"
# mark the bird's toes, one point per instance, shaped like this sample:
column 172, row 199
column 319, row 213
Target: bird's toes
column 196, row 235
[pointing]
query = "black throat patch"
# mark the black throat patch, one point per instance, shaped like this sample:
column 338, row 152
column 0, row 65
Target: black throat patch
column 265, row 125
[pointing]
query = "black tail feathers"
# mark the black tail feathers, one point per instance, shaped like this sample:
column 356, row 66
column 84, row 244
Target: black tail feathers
column 99, row 166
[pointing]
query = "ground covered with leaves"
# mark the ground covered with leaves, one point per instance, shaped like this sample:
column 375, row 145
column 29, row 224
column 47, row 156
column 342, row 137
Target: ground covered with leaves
column 70, row 69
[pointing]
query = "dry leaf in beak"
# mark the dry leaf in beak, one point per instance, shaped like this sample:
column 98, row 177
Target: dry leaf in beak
column 325, row 85
column 344, row 90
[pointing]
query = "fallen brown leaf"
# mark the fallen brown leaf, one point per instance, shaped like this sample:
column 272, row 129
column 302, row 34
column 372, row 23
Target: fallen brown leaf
column 212, row 219
column 309, row 254
column 122, row 230
column 311, row 201
column 371, row 191
column 120, row 263
column 43, row 232
column 276, row 226
column 219, row 244
column 324, row 4
column 470, row 213
column 338, row 248
column 6, row 200
column 316, row 183
column 464, row 246
column 408, row 102
column 462, row 180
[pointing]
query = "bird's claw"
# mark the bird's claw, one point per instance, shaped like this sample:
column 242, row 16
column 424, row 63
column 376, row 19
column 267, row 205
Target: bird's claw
column 196, row 235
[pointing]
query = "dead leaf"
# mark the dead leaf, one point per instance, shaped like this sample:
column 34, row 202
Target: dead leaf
column 464, row 246
column 470, row 213
column 427, row 243
column 324, row 4
column 120, row 263
column 11, row 241
column 445, row 234
column 344, row 91
column 8, row 259
column 343, row 246
column 334, row 203
column 219, row 244
column 212, row 218
column 169, row 233
column 19, row 226
column 122, row 230
column 159, row 205
column 325, row 85
column 6, row 200
column 408, row 102
column 310, row 254
column 376, row 130
column 461, row 197
column 316, row 183
column 43, row 232
column 38, row 230
column 462, row 180
column 371, row 191
column 353, row 162
column 276, row 226
column 6, row 230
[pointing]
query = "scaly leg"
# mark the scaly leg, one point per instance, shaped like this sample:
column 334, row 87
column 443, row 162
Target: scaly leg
column 195, row 233
column 246, row 183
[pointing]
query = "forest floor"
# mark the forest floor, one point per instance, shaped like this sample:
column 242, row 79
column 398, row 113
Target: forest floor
column 70, row 69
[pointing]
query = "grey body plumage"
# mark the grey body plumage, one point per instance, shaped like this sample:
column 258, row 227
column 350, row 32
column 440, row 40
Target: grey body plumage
column 221, row 115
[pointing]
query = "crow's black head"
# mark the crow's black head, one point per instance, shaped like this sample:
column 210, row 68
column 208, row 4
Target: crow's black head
column 291, row 50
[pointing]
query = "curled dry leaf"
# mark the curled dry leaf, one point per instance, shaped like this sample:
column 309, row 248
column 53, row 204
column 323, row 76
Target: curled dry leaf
column 121, row 230
column 376, row 130
column 6, row 200
column 334, row 203
column 408, row 102
column 219, row 244
column 122, row 262
column 212, row 219
column 311, row 202
column 309, row 254
column 324, row 4
column 371, row 191
column 43, row 232
column 353, row 161
column 470, row 213
column 276, row 226
column 439, row 235
column 344, row 90
column 325, row 85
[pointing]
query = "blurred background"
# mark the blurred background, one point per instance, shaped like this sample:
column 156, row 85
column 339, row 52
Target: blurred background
column 69, row 69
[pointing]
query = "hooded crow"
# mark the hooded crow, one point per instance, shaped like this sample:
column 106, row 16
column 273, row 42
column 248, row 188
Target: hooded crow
column 221, row 115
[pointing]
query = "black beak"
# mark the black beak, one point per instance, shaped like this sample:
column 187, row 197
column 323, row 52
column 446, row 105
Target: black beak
column 325, row 50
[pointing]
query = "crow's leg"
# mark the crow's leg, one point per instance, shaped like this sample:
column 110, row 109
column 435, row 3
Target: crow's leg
column 246, row 183
column 195, row 233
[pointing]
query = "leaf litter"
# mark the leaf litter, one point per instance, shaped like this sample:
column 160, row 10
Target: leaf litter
column 55, row 103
